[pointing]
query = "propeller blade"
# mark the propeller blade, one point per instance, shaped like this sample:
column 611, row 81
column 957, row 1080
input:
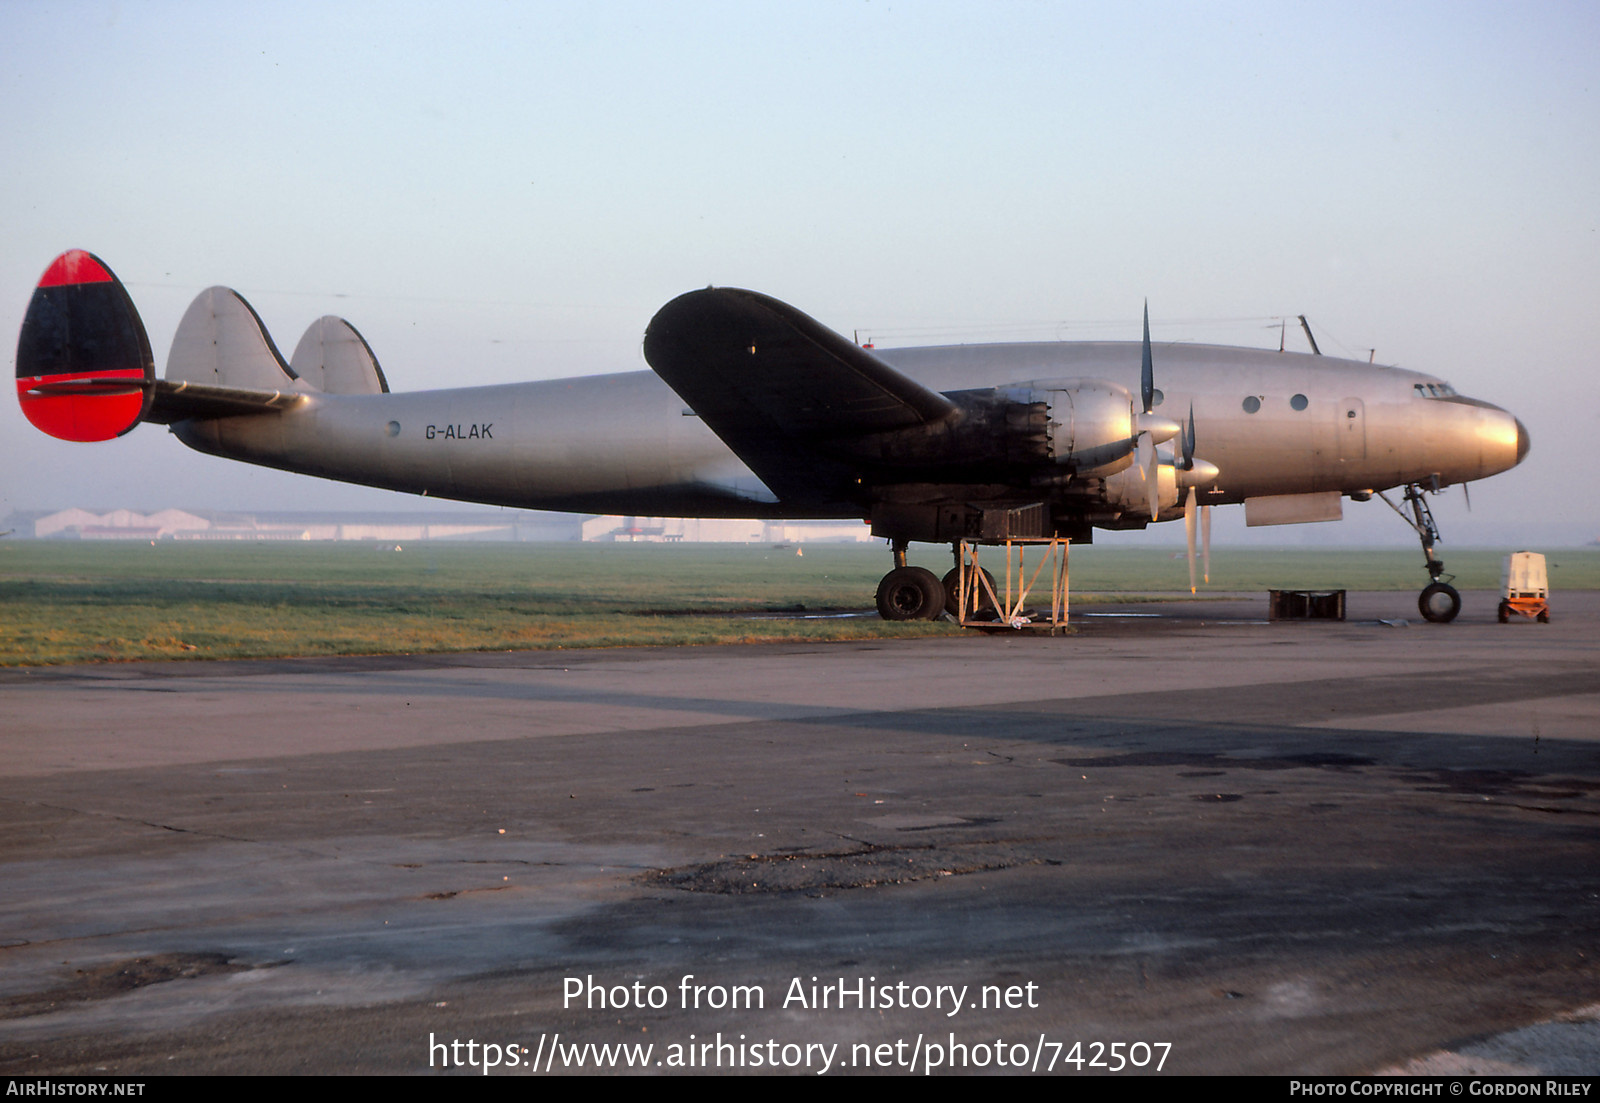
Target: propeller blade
column 1205, row 540
column 1466, row 492
column 1188, row 441
column 1188, row 532
column 1147, row 371
column 1148, row 468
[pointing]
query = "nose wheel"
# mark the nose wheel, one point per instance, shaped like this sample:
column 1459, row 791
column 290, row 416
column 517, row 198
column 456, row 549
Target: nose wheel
column 1439, row 602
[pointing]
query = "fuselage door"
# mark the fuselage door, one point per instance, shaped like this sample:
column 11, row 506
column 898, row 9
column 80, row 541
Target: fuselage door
column 1352, row 430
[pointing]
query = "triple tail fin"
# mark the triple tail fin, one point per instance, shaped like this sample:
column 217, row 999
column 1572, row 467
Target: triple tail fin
column 223, row 364
column 85, row 372
column 335, row 359
column 84, row 369
column 222, row 343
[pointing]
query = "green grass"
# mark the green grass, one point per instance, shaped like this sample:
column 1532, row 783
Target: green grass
column 73, row 602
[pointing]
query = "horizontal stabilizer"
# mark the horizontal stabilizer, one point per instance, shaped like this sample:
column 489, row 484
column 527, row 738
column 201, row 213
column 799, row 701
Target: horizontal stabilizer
column 171, row 401
column 84, row 367
column 779, row 387
column 335, row 359
column 222, row 343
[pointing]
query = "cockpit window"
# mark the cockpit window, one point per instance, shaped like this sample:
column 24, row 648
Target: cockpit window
column 1434, row 390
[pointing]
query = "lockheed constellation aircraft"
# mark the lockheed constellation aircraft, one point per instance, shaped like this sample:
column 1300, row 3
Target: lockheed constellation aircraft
column 754, row 409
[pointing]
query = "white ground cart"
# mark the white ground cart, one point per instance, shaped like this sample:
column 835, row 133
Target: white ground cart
column 1527, row 588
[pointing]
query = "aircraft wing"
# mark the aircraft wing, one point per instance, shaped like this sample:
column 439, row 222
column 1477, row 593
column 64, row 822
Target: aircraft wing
column 786, row 393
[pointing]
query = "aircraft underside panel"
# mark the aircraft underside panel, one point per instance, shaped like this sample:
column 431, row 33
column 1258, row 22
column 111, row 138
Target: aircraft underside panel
column 1293, row 509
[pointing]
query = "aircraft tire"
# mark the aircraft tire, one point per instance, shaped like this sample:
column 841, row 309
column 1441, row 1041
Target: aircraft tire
column 1505, row 611
column 952, row 582
column 910, row 593
column 1439, row 603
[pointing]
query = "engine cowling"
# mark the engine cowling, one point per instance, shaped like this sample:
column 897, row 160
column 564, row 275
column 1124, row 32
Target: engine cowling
column 1091, row 424
column 1084, row 427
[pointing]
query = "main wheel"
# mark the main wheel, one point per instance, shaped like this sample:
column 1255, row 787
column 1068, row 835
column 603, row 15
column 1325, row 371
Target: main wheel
column 910, row 593
column 1439, row 603
column 952, row 583
column 1505, row 611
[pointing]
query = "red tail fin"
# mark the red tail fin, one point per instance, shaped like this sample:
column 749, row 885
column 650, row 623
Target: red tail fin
column 84, row 369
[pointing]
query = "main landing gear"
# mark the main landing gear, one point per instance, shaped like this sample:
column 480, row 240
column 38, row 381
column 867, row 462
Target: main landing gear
column 915, row 593
column 909, row 593
column 1439, row 601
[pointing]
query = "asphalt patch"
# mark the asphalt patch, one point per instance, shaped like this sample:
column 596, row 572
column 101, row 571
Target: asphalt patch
column 114, row 978
column 815, row 874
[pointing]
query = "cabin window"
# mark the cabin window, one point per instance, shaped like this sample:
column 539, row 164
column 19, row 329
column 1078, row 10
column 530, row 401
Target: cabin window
column 1251, row 404
column 1298, row 402
column 1156, row 397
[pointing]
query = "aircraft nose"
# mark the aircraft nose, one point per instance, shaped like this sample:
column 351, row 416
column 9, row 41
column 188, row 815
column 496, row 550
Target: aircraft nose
column 1500, row 440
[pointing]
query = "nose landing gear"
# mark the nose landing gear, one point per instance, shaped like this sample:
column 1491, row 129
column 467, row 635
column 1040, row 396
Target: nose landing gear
column 1439, row 602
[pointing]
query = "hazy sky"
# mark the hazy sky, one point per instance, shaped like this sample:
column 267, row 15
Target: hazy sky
column 494, row 192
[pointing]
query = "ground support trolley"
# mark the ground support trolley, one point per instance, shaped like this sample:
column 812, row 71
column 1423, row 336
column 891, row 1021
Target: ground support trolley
column 1526, row 588
column 1029, row 567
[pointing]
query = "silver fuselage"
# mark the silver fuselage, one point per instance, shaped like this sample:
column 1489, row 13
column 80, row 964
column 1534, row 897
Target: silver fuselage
column 625, row 443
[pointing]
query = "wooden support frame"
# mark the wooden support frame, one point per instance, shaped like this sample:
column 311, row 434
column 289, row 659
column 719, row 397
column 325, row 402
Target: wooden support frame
column 982, row 603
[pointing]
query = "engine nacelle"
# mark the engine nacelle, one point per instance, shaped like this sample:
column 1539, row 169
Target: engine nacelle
column 1091, row 424
column 1085, row 426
